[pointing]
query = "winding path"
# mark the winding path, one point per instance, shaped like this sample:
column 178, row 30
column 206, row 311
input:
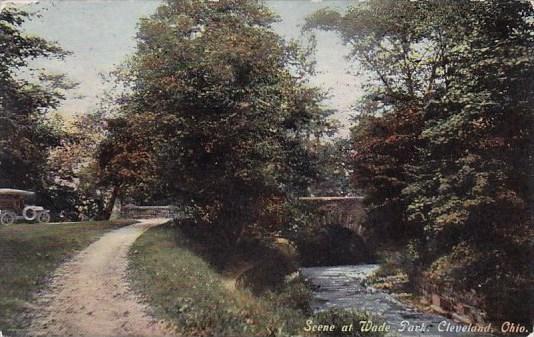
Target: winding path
column 89, row 295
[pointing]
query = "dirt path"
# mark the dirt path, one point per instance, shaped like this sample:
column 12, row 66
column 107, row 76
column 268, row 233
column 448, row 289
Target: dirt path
column 89, row 295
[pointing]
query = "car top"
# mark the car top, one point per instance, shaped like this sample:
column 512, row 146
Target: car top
column 11, row 191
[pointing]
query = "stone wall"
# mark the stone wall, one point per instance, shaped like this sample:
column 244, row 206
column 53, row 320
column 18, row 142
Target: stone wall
column 464, row 307
column 148, row 212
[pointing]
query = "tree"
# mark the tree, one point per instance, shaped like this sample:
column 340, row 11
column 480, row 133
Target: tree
column 383, row 148
column 464, row 71
column 226, row 108
column 390, row 42
column 333, row 169
column 26, row 132
column 471, row 186
column 73, row 167
column 126, row 160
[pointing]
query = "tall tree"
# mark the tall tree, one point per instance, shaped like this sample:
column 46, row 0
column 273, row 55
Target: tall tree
column 471, row 192
column 228, row 107
column 464, row 71
column 26, row 95
column 386, row 38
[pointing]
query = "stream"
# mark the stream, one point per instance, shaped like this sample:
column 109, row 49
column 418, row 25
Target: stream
column 344, row 287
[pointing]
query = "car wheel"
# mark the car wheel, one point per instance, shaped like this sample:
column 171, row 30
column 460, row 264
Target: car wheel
column 44, row 217
column 7, row 218
column 29, row 213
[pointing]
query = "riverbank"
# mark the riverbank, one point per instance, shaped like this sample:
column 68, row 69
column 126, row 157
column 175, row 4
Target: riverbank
column 391, row 278
column 183, row 288
column 348, row 287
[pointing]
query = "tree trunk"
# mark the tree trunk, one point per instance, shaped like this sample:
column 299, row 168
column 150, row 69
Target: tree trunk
column 109, row 207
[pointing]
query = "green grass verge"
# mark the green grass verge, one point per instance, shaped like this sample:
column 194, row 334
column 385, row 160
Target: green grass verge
column 29, row 254
column 184, row 290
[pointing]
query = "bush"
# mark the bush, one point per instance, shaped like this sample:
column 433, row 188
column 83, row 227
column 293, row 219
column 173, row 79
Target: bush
column 270, row 262
column 294, row 294
column 501, row 286
column 267, row 274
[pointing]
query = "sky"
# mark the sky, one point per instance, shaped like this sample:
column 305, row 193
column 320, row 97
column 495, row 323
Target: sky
column 101, row 34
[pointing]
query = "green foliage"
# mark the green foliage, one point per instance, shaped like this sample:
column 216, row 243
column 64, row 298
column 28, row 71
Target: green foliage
column 224, row 110
column 387, row 40
column 185, row 290
column 384, row 147
column 398, row 268
column 295, row 294
column 73, row 167
column 333, row 168
column 444, row 142
column 26, row 132
column 298, row 216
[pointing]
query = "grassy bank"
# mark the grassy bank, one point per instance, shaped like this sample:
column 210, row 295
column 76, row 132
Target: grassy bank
column 185, row 290
column 29, row 253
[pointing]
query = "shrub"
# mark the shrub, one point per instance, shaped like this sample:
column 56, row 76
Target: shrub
column 269, row 273
column 294, row 294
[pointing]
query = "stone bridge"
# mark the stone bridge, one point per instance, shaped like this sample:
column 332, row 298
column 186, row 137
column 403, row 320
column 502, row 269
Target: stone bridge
column 347, row 212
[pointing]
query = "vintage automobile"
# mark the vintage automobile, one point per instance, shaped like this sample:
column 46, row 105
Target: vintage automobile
column 13, row 207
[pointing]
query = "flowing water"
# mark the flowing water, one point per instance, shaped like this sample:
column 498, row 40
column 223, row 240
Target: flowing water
column 345, row 287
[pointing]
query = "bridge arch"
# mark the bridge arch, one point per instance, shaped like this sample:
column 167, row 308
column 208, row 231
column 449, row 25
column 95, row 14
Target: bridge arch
column 348, row 212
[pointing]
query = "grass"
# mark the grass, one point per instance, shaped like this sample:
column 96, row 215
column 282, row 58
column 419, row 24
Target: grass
column 183, row 289
column 30, row 253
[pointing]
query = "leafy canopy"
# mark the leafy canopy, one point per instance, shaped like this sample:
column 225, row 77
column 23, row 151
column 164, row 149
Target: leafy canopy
column 226, row 107
column 26, row 95
column 443, row 145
